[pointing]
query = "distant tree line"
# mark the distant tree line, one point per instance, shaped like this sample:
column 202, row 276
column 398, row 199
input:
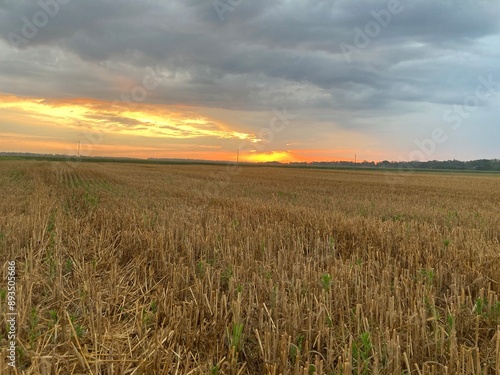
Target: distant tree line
column 478, row 165
column 472, row 165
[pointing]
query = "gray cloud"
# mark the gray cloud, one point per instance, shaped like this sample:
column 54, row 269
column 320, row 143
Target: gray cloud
column 261, row 55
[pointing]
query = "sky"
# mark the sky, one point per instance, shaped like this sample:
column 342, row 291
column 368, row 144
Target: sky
column 282, row 80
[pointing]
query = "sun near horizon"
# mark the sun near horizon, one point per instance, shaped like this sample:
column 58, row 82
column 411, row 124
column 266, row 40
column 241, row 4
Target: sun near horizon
column 102, row 128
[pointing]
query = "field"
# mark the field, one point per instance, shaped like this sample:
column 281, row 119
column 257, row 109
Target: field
column 185, row 269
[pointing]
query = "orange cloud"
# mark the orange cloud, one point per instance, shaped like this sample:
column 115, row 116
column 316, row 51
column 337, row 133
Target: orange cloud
column 135, row 120
column 57, row 125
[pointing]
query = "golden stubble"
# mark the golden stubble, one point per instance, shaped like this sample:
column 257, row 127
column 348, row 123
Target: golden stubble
column 136, row 269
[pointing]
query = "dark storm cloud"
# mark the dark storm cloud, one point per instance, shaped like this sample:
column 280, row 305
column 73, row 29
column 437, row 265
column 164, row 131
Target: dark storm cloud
column 260, row 54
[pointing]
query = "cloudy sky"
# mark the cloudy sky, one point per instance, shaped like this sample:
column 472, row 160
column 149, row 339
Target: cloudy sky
column 287, row 80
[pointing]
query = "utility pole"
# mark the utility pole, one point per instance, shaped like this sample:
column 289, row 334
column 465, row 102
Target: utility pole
column 238, row 157
column 355, row 158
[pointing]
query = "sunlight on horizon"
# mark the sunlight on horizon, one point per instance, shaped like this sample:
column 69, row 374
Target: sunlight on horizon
column 148, row 120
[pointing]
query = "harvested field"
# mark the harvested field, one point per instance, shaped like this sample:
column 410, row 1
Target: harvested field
column 185, row 269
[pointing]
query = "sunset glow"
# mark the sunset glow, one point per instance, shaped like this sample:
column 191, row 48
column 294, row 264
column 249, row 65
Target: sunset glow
column 264, row 157
column 151, row 121
column 85, row 118
column 287, row 81
column 58, row 125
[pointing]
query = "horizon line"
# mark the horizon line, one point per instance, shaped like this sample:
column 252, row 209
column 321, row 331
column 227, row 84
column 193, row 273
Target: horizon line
column 27, row 153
